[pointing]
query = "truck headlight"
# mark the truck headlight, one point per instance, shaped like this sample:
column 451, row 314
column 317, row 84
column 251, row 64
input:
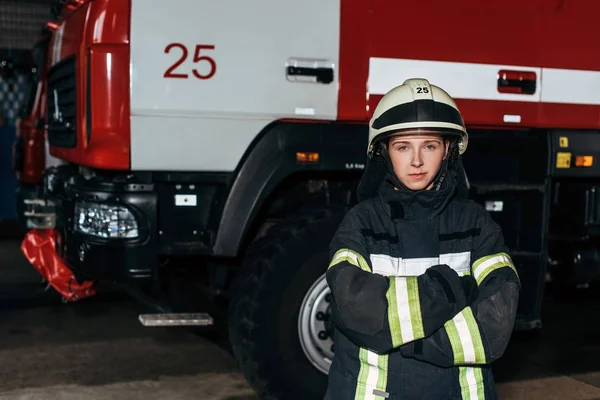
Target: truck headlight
column 105, row 220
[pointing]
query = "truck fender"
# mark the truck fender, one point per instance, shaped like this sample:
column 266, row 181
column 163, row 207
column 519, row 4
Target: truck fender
column 272, row 157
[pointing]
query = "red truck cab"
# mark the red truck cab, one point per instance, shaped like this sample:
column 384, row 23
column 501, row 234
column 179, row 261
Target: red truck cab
column 88, row 85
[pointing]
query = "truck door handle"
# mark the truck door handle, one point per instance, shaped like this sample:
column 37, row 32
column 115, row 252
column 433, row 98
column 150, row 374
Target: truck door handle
column 517, row 82
column 322, row 75
column 305, row 70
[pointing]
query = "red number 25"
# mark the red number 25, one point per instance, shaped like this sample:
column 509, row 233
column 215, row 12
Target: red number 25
column 169, row 73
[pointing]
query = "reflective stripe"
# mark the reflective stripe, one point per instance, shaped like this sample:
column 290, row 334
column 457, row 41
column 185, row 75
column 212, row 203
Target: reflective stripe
column 460, row 262
column 373, row 361
column 416, row 318
column 394, row 319
column 486, row 265
column 382, row 380
column 385, row 73
column 465, row 338
column 342, row 253
column 479, row 382
column 416, row 266
column 396, row 266
column 384, row 265
column 471, row 383
column 464, row 384
column 404, row 311
column 350, row 256
column 373, row 375
column 363, row 374
column 453, row 335
column 475, row 335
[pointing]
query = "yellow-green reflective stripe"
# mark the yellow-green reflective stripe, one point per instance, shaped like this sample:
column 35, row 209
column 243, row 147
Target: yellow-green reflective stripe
column 344, row 255
column 471, row 383
column 464, row 385
column 393, row 317
column 481, row 260
column 363, row 374
column 350, row 256
column 382, row 377
column 373, row 375
column 340, row 259
column 457, row 347
column 414, row 302
column 476, row 340
column 480, row 384
column 465, row 338
column 492, row 268
column 404, row 310
column 485, row 265
column 363, row 264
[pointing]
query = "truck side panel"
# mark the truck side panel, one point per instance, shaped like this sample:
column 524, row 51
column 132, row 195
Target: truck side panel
column 354, row 60
column 571, row 74
column 460, row 46
column 204, row 70
column 467, row 46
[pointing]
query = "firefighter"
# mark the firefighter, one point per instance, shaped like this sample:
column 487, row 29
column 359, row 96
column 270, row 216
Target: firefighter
column 424, row 292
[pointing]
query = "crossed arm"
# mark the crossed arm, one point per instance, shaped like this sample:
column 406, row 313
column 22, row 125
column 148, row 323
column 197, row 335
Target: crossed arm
column 437, row 317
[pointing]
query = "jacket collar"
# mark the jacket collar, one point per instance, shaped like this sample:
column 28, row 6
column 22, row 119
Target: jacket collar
column 405, row 204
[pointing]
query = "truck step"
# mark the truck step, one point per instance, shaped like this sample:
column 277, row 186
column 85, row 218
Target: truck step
column 176, row 319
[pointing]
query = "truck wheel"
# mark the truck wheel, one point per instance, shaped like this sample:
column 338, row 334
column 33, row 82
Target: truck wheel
column 278, row 316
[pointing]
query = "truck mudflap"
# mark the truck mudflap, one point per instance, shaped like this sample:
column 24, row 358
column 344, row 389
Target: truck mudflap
column 39, row 247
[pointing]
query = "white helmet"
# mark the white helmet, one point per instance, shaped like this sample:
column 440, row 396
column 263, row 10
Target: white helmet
column 417, row 105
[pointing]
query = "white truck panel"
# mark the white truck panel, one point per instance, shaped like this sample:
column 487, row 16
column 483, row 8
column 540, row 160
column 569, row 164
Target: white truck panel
column 190, row 144
column 187, row 123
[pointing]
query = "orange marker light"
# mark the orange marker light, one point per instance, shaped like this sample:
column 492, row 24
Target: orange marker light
column 307, row 157
column 584, row 161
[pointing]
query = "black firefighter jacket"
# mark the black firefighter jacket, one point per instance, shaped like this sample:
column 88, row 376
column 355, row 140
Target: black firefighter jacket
column 407, row 325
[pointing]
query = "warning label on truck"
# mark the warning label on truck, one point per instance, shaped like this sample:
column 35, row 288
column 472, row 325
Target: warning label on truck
column 563, row 160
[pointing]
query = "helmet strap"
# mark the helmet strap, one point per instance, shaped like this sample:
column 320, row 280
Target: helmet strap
column 443, row 170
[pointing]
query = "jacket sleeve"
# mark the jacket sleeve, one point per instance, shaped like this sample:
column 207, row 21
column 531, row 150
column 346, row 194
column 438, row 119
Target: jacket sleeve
column 379, row 312
column 480, row 333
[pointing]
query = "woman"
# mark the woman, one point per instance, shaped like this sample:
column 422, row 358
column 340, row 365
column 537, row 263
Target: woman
column 424, row 293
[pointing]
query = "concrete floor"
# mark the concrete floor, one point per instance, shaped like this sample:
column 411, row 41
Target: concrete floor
column 97, row 349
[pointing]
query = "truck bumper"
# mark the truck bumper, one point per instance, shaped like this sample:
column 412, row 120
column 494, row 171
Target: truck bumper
column 39, row 247
column 106, row 230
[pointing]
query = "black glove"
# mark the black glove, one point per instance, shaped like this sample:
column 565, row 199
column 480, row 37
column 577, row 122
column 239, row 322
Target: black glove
column 470, row 287
column 450, row 281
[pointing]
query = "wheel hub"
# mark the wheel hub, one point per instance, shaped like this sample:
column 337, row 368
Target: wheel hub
column 315, row 328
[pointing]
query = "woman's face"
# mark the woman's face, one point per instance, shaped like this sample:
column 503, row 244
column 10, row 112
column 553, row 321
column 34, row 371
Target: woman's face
column 417, row 158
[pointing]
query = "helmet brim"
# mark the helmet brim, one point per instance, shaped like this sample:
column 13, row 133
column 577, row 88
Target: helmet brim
column 444, row 133
column 420, row 132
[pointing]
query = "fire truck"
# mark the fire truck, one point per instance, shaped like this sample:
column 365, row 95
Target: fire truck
column 214, row 147
column 30, row 151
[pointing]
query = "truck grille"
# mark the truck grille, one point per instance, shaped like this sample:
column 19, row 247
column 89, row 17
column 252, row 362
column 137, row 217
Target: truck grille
column 62, row 105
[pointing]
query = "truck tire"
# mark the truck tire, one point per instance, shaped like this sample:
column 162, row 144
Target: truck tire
column 283, row 349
